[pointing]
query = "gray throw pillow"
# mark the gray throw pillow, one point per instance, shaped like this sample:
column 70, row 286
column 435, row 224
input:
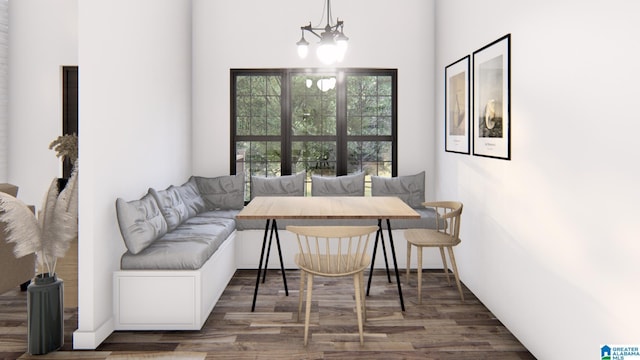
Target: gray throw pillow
column 347, row 185
column 222, row 192
column 171, row 205
column 409, row 188
column 284, row 185
column 191, row 197
column 141, row 222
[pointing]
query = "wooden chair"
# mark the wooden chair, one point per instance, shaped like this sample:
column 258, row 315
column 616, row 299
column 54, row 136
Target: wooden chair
column 333, row 251
column 446, row 235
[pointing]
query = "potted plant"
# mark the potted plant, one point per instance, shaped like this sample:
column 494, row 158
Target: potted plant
column 66, row 148
column 48, row 236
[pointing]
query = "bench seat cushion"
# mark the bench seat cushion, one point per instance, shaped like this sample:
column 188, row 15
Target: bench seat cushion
column 187, row 247
column 427, row 220
column 225, row 214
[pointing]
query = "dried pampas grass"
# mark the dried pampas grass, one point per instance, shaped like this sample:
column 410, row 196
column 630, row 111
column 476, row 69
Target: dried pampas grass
column 50, row 234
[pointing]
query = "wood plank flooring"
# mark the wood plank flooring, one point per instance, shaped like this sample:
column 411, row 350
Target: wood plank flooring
column 67, row 270
column 442, row 327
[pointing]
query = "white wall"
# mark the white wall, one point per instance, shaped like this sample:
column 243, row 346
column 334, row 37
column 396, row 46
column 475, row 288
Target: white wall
column 135, row 110
column 43, row 37
column 135, row 130
column 262, row 34
column 550, row 238
column 4, row 90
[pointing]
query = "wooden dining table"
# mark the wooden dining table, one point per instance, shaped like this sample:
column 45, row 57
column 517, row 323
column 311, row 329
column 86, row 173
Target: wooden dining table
column 380, row 208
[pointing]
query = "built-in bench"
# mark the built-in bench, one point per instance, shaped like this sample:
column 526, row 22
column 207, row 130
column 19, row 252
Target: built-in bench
column 184, row 243
column 180, row 254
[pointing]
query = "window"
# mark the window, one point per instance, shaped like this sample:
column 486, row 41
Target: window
column 284, row 121
column 69, row 110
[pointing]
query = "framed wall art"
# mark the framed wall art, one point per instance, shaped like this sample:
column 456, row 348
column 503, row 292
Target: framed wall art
column 492, row 99
column 457, row 108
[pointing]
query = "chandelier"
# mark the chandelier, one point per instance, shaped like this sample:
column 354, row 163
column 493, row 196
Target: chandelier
column 333, row 43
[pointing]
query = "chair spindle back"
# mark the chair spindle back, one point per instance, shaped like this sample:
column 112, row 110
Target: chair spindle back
column 333, row 250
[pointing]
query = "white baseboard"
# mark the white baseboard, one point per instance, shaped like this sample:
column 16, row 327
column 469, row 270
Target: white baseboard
column 89, row 340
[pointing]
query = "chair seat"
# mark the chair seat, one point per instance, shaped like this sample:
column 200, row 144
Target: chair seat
column 428, row 237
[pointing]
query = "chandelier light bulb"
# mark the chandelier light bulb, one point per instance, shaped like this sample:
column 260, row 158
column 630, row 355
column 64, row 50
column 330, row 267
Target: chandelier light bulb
column 327, row 53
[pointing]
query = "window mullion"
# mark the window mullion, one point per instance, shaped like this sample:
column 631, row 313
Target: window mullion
column 341, row 125
column 394, row 124
column 233, row 135
column 286, row 122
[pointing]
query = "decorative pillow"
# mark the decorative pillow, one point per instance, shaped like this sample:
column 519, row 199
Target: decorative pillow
column 347, row 185
column 284, row 185
column 191, row 197
column 409, row 188
column 222, row 192
column 171, row 206
column 141, row 222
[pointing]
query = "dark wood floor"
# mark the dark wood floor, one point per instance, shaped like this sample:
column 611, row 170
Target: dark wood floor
column 442, row 327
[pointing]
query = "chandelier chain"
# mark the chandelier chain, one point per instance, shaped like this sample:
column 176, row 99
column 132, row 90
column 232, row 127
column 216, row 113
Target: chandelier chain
column 326, row 9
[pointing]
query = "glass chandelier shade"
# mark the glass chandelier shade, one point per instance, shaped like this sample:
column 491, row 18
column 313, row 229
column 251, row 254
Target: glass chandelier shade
column 303, row 47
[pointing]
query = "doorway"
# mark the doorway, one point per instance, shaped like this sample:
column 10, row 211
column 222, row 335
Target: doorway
column 67, row 267
column 69, row 109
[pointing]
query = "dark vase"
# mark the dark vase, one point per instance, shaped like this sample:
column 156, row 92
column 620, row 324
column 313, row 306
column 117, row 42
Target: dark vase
column 45, row 310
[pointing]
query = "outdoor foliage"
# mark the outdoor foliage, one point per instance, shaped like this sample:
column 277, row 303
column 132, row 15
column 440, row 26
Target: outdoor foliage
column 314, row 124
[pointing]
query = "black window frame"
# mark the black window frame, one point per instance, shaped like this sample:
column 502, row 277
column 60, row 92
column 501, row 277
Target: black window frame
column 287, row 138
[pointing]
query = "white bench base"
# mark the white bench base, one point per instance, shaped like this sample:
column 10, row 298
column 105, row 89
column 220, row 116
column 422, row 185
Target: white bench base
column 183, row 299
column 172, row 299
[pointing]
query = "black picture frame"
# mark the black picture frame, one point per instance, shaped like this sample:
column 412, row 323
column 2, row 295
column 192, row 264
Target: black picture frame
column 457, row 107
column 492, row 99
